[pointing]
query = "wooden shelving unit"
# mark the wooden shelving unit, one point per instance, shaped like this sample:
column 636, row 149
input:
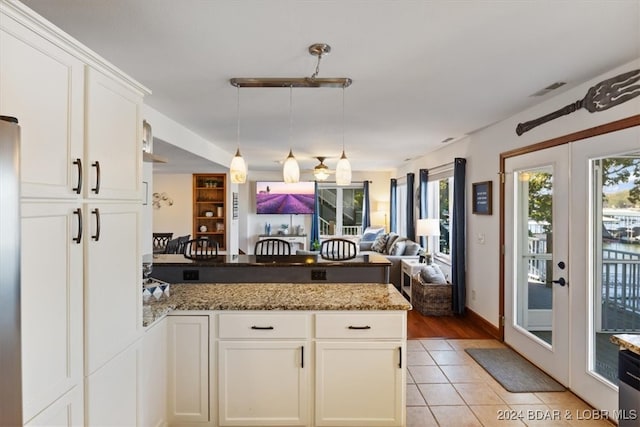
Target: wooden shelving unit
column 209, row 207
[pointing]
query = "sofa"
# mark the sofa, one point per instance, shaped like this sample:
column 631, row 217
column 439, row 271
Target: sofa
column 393, row 246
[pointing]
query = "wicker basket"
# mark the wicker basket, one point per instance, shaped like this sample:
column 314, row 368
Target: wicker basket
column 430, row 299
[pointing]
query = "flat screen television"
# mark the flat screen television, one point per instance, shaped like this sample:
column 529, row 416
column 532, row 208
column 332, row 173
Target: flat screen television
column 274, row 197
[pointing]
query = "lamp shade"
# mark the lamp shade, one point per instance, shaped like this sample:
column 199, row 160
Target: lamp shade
column 291, row 170
column 428, row 227
column 343, row 171
column 238, row 169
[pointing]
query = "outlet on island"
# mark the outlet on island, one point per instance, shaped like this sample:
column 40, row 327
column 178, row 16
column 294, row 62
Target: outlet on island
column 190, row 275
column 318, row 274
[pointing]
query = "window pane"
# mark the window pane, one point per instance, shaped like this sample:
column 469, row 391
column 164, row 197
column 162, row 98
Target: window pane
column 340, row 210
column 444, row 199
column 352, row 199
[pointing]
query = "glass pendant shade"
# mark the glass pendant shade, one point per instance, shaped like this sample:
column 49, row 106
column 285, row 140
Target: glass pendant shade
column 321, row 173
column 238, row 169
column 291, row 170
column 343, row 171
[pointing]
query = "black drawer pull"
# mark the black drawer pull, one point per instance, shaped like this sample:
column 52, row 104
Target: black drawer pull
column 78, row 238
column 96, row 236
column 96, row 165
column 360, row 327
column 262, row 328
column 400, row 357
column 302, row 357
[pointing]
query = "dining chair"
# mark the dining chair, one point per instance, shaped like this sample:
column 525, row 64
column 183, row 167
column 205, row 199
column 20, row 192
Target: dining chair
column 272, row 247
column 176, row 246
column 160, row 241
column 338, row 249
column 200, row 248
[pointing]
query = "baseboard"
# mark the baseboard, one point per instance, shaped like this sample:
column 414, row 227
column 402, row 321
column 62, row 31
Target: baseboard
column 494, row 331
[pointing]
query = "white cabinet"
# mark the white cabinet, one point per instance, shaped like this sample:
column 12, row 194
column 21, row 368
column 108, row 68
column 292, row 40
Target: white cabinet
column 153, row 386
column 360, row 373
column 189, row 374
column 51, row 303
column 264, row 369
column 42, row 85
column 67, row 411
column 112, row 397
column 113, row 146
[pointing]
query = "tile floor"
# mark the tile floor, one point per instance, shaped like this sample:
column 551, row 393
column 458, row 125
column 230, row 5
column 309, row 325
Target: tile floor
column 446, row 387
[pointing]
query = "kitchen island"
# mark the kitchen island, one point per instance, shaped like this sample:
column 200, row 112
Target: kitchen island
column 276, row 354
column 367, row 268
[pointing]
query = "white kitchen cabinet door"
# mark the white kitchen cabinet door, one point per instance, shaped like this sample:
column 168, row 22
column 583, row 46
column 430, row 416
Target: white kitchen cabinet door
column 67, row 411
column 360, row 383
column 113, row 281
column 154, row 375
column 42, row 85
column 112, row 392
column 51, row 303
column 189, row 370
column 113, row 146
column 263, row 383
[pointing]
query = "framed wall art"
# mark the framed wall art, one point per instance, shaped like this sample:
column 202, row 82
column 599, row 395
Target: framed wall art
column 482, row 198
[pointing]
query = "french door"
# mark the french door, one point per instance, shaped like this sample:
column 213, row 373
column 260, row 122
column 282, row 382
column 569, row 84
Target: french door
column 536, row 281
column 572, row 258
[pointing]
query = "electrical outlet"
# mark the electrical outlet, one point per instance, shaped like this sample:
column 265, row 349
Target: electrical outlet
column 190, row 274
column 473, row 295
column 318, row 274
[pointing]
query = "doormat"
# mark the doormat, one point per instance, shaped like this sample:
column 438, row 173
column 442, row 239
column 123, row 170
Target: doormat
column 515, row 373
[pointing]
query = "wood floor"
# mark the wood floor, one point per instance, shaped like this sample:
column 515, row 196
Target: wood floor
column 449, row 327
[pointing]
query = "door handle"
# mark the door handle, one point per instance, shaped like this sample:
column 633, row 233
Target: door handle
column 560, row 281
column 96, row 165
column 96, row 236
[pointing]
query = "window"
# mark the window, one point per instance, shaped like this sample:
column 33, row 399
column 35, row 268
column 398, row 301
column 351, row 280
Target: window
column 340, row 209
column 440, row 205
column 401, row 208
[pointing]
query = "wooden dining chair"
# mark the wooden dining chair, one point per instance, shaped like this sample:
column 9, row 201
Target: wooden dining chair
column 160, row 241
column 201, row 248
column 272, row 247
column 338, row 249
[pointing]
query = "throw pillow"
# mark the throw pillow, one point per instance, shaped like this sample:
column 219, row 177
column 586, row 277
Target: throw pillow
column 370, row 234
column 411, row 249
column 390, row 241
column 365, row 246
column 398, row 247
column 380, row 243
column 431, row 273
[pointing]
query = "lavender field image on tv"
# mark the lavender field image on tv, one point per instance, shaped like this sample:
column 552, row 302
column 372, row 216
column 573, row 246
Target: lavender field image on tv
column 281, row 198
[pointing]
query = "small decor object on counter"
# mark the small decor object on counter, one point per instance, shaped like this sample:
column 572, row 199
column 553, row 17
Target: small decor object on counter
column 203, row 228
column 219, row 226
column 154, row 288
column 208, row 214
column 220, row 211
column 284, row 229
column 267, row 229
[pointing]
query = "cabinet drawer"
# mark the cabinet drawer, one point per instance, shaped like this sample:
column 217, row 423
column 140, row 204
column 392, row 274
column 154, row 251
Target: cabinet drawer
column 265, row 325
column 360, row 325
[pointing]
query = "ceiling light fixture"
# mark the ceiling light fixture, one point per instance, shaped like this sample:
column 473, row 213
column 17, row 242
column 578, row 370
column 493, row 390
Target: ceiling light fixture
column 238, row 168
column 321, row 171
column 317, row 49
column 343, row 168
column 291, row 170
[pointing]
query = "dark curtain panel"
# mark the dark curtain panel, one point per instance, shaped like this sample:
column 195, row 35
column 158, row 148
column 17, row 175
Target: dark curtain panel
column 411, row 211
column 366, row 207
column 393, row 205
column 315, row 218
column 458, row 245
column 424, row 179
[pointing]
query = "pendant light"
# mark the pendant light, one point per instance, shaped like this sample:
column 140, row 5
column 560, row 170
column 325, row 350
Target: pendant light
column 291, row 170
column 343, row 168
column 238, row 168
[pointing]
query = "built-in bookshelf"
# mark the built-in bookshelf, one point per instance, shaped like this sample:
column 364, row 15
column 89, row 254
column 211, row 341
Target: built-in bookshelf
column 209, row 207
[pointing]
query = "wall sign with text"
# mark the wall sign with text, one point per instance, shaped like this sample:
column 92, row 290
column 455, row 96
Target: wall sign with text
column 482, row 200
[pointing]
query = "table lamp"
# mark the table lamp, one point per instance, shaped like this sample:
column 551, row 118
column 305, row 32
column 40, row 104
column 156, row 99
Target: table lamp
column 428, row 227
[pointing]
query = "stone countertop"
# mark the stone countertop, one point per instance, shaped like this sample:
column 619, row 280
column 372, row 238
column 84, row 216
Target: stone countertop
column 628, row 341
column 275, row 296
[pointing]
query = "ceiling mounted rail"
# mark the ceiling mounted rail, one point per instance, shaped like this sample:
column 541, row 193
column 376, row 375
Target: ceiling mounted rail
column 318, row 49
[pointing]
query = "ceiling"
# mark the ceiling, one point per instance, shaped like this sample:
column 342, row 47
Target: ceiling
column 423, row 71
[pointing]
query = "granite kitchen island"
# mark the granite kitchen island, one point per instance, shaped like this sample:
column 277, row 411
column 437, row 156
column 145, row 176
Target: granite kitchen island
column 276, row 354
column 368, row 268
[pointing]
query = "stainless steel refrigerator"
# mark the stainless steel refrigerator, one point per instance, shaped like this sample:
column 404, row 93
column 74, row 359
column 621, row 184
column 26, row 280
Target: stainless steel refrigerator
column 10, row 342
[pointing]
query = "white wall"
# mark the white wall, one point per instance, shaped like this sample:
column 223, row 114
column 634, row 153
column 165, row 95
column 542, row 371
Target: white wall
column 482, row 151
column 176, row 219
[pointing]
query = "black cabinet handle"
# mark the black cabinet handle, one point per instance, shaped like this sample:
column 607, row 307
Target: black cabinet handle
column 78, row 187
column 360, row 327
column 96, row 212
column 96, row 165
column 262, row 328
column 302, row 356
column 400, row 357
column 78, row 237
